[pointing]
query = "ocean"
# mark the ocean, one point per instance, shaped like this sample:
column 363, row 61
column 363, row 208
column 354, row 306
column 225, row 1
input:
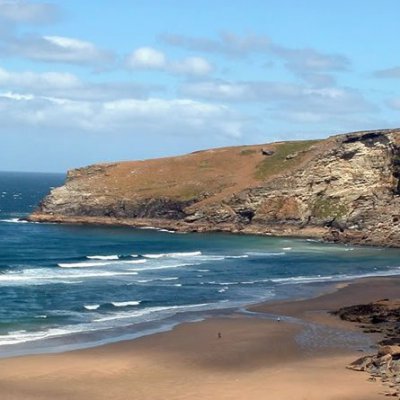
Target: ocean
column 67, row 286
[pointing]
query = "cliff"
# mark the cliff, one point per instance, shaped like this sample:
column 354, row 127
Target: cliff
column 344, row 188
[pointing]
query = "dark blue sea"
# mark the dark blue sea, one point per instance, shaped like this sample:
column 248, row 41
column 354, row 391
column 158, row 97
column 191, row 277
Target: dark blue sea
column 70, row 286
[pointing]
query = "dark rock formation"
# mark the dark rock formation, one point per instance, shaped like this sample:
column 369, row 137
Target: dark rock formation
column 265, row 152
column 382, row 317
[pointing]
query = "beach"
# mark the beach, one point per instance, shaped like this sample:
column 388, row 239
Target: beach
column 255, row 358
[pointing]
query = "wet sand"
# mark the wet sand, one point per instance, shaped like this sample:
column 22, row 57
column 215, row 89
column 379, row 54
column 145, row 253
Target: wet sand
column 255, row 358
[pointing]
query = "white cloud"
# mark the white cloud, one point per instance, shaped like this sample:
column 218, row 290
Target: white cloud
column 17, row 96
column 333, row 101
column 307, row 63
column 32, row 80
column 286, row 101
column 227, row 44
column 310, row 60
column 191, row 66
column 70, row 44
column 148, row 58
column 69, row 50
column 57, row 49
column 69, row 86
column 22, row 11
column 131, row 116
column 241, row 91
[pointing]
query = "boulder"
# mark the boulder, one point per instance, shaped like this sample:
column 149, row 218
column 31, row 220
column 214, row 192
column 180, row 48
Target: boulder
column 393, row 351
column 266, row 152
column 361, row 364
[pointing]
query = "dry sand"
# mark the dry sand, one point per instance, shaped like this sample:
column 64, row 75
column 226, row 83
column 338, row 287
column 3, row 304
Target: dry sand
column 254, row 359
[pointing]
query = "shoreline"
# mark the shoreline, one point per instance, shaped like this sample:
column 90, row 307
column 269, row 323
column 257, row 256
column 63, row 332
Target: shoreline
column 179, row 226
column 82, row 340
column 261, row 308
column 254, row 355
column 322, row 234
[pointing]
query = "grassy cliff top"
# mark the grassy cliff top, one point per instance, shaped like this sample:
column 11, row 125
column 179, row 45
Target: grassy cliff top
column 209, row 175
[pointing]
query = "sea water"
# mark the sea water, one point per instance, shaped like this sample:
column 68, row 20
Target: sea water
column 74, row 286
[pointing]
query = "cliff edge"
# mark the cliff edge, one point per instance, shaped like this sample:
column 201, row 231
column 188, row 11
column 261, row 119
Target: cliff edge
column 344, row 189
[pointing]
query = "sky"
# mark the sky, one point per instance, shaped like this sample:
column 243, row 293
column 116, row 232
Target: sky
column 83, row 82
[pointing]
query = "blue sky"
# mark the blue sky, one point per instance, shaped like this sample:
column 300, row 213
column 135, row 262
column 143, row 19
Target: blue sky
column 90, row 81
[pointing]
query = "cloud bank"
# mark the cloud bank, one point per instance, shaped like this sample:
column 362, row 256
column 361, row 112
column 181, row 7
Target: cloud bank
column 147, row 58
column 21, row 11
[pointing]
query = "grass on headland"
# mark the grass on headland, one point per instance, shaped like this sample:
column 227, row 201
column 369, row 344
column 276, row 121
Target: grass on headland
column 277, row 163
column 247, row 152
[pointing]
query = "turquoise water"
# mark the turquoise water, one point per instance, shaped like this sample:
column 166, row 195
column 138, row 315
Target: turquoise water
column 65, row 286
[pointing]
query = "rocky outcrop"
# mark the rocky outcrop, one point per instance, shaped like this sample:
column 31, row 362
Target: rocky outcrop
column 343, row 189
column 382, row 318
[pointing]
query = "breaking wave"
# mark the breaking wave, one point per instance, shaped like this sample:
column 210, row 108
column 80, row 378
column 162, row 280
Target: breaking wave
column 98, row 264
column 125, row 303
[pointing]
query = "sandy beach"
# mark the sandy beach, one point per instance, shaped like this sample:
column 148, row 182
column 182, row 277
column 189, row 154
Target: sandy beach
column 255, row 358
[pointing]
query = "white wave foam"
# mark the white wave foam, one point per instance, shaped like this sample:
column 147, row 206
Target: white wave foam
column 133, row 262
column 265, row 254
column 17, row 332
column 302, row 279
column 162, row 267
column 125, row 303
column 117, row 319
column 151, row 310
column 174, row 255
column 82, row 264
column 221, row 283
column 23, row 337
column 334, row 278
column 158, row 279
column 113, row 257
column 153, row 228
column 211, row 258
column 241, row 256
column 85, row 264
column 91, row 307
column 154, row 255
column 14, row 221
column 44, row 276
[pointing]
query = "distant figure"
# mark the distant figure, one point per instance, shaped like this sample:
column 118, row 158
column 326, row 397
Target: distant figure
column 278, row 319
column 219, row 335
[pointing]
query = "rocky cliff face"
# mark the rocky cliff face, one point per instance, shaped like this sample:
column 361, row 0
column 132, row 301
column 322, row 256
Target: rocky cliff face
column 345, row 188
